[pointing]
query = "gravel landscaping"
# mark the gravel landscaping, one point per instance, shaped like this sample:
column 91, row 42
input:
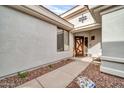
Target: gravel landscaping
column 101, row 80
column 15, row 80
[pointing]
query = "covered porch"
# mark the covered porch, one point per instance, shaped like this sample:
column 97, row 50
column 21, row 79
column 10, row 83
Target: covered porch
column 87, row 41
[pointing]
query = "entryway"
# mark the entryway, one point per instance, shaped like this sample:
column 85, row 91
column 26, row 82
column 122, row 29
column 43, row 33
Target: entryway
column 79, row 46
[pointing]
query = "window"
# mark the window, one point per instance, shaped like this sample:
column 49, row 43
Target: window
column 66, row 40
column 92, row 37
column 86, row 41
column 62, row 40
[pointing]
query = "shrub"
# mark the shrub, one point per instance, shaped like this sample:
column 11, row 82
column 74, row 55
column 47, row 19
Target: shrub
column 50, row 66
column 22, row 74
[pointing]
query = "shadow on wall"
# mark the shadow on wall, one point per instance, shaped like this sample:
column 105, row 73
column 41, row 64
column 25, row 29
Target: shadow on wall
column 113, row 49
column 94, row 48
column 95, row 38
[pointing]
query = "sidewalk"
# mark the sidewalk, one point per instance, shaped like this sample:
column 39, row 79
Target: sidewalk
column 58, row 78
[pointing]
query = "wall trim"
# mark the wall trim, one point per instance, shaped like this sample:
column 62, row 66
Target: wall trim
column 88, row 27
column 112, row 9
column 112, row 71
column 74, row 11
column 113, row 59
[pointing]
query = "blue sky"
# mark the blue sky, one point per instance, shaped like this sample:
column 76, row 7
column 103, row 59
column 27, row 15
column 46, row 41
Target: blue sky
column 59, row 9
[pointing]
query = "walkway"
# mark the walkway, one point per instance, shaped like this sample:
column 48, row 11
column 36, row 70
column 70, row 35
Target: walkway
column 60, row 77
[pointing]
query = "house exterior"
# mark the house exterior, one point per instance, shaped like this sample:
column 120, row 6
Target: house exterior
column 86, row 26
column 28, row 38
column 101, row 28
column 31, row 36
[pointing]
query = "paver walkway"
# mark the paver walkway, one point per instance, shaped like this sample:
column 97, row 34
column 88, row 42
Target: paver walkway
column 60, row 77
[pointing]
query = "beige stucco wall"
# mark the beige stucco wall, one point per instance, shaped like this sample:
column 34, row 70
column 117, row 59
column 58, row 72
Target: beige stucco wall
column 27, row 42
column 94, row 46
column 113, row 34
column 113, row 42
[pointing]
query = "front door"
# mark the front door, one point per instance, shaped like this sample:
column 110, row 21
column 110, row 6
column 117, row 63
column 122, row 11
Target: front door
column 79, row 47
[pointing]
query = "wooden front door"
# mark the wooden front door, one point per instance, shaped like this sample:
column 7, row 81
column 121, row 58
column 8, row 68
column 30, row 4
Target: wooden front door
column 79, row 46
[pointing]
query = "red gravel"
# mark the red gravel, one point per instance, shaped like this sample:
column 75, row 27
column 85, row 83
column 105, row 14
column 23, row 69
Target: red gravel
column 14, row 81
column 101, row 80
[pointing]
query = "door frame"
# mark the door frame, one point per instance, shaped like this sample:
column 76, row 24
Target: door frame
column 82, row 37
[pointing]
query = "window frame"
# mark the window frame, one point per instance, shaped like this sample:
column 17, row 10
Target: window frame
column 58, row 50
column 92, row 37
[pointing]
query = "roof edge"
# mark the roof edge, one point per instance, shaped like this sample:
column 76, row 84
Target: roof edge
column 44, row 14
column 68, row 10
column 111, row 9
column 73, row 10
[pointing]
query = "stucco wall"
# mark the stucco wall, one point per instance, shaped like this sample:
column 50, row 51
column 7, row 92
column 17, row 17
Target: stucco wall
column 113, row 34
column 113, row 42
column 95, row 45
column 26, row 42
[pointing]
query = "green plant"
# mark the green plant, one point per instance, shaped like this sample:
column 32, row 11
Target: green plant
column 22, row 74
column 50, row 66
